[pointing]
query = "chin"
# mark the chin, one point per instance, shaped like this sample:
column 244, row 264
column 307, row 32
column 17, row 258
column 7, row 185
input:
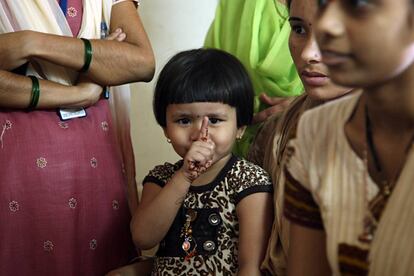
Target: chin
column 318, row 93
column 326, row 93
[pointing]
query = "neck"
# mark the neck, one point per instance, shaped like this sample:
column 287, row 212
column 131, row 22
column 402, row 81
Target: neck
column 387, row 106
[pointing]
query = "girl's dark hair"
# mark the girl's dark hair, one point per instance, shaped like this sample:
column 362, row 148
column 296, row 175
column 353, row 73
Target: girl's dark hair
column 204, row 75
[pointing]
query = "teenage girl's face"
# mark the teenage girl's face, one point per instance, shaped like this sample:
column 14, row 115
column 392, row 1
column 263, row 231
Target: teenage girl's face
column 306, row 54
column 366, row 43
column 184, row 123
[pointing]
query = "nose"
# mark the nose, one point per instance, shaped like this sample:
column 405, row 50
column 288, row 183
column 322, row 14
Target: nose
column 195, row 131
column 311, row 53
column 329, row 21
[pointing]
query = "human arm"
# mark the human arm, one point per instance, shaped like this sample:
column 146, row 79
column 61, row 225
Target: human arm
column 157, row 210
column 255, row 214
column 113, row 62
column 15, row 92
column 307, row 238
column 307, row 252
column 159, row 206
column 276, row 105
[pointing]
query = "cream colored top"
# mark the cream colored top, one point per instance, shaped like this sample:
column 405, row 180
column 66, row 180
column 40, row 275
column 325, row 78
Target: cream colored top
column 324, row 163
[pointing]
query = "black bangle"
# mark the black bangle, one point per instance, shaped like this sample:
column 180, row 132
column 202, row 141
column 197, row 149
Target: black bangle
column 88, row 55
column 34, row 99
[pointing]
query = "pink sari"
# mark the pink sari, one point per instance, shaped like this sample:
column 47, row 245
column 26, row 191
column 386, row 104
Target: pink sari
column 63, row 185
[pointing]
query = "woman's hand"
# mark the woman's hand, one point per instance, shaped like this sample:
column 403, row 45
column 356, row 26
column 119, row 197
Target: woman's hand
column 200, row 156
column 276, row 105
column 89, row 91
column 117, row 35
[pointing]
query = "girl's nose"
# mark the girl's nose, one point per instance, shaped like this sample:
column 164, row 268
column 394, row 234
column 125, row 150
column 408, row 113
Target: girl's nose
column 195, row 131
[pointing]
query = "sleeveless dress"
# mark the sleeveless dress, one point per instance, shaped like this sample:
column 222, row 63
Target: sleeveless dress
column 63, row 206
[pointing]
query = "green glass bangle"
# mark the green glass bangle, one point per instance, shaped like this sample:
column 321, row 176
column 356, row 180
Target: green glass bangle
column 88, row 55
column 34, row 100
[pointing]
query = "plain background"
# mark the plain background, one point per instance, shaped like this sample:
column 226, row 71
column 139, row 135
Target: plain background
column 172, row 26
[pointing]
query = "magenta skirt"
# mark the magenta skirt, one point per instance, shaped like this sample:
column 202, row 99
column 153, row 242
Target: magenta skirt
column 63, row 207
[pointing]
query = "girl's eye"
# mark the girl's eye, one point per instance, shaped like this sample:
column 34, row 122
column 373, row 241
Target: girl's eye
column 214, row 121
column 298, row 29
column 183, row 121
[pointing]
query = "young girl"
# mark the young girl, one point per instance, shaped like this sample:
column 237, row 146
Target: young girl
column 211, row 212
column 350, row 187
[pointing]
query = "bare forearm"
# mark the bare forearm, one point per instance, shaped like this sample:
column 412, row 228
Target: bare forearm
column 113, row 62
column 13, row 50
column 152, row 221
column 15, row 93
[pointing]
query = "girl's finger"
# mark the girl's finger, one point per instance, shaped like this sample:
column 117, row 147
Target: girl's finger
column 204, row 129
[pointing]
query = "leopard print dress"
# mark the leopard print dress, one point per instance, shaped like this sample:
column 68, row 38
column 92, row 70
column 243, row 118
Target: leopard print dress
column 215, row 229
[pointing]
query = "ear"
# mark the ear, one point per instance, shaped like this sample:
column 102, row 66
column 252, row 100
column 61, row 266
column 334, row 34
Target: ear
column 165, row 132
column 240, row 132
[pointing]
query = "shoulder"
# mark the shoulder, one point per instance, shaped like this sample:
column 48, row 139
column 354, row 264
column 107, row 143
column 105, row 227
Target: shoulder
column 330, row 113
column 247, row 178
column 160, row 174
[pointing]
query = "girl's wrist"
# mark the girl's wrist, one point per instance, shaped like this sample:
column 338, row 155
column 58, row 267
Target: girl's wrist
column 181, row 178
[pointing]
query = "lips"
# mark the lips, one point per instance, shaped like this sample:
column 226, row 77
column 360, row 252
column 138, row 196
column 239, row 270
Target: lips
column 314, row 78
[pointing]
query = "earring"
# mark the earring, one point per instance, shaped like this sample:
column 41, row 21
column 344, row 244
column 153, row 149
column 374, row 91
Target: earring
column 168, row 141
column 238, row 138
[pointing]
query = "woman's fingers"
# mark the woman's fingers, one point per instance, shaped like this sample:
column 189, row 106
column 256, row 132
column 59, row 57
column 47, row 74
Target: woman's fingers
column 117, row 35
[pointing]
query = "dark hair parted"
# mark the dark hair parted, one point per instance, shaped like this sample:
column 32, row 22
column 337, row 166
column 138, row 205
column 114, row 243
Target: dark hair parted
column 204, row 75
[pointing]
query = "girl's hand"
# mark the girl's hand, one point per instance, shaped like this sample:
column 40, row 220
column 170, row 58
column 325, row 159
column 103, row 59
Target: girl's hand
column 200, row 156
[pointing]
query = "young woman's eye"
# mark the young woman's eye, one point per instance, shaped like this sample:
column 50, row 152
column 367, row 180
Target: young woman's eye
column 322, row 3
column 214, row 121
column 298, row 29
column 358, row 3
column 183, row 121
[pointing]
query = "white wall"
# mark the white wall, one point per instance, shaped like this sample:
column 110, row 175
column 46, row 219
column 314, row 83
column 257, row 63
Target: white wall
column 172, row 26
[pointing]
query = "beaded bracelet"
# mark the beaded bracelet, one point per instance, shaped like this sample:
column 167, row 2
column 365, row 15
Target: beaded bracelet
column 34, row 100
column 88, row 55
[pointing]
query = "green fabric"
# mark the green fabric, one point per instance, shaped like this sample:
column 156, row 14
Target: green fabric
column 257, row 32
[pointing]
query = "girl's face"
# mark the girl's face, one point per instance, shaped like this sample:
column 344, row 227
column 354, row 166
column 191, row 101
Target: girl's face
column 306, row 54
column 365, row 43
column 184, row 123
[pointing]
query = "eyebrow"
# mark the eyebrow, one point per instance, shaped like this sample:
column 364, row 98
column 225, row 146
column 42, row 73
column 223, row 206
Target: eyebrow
column 222, row 114
column 210, row 115
column 295, row 19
